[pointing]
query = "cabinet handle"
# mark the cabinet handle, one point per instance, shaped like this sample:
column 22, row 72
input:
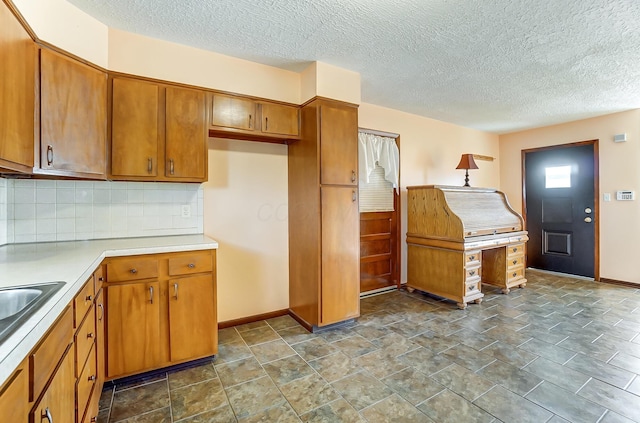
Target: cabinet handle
column 90, row 335
column 471, row 258
column 266, row 123
column 151, row 294
column 514, row 250
column 353, row 176
column 249, row 121
column 353, row 195
column 101, row 312
column 191, row 266
column 472, row 272
column 515, row 262
column 514, row 274
column 49, row 155
column 47, row 415
column 171, row 166
column 175, row 290
column 101, row 279
column 91, row 378
column 149, row 165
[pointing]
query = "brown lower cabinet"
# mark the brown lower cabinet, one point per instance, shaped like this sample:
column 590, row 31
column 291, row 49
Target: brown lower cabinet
column 122, row 327
column 161, row 310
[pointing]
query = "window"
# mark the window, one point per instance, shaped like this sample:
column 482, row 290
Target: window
column 557, row 177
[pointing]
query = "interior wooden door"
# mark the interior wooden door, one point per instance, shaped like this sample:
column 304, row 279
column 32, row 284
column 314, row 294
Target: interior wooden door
column 339, row 145
column 379, row 263
column 186, row 133
column 340, row 290
column 192, row 317
column 73, row 116
column 134, row 128
column 134, row 343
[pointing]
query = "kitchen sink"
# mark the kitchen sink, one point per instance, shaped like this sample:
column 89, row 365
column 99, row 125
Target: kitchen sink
column 17, row 304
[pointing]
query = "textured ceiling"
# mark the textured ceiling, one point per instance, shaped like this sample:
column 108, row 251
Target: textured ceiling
column 498, row 66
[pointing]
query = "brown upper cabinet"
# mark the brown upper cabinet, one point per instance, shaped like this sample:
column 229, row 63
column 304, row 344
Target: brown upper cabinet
column 17, row 94
column 158, row 132
column 73, row 118
column 246, row 119
column 338, row 152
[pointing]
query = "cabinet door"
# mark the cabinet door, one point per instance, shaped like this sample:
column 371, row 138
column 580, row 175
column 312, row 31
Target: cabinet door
column 233, row 112
column 57, row 403
column 100, row 340
column 73, row 116
column 192, row 317
column 338, row 145
column 186, row 134
column 14, row 397
column 340, row 291
column 134, row 342
column 279, row 119
column 17, row 88
column 134, row 128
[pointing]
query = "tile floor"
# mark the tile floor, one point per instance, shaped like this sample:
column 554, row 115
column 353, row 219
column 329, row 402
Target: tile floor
column 562, row 349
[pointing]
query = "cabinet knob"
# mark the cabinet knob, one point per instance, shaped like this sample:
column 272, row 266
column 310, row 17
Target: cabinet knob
column 191, row 265
column 101, row 279
column 90, row 335
column 175, row 290
column 514, row 249
column 49, row 155
column 101, row 312
column 88, row 298
column 134, row 271
column 91, row 378
column 472, row 258
column 94, row 419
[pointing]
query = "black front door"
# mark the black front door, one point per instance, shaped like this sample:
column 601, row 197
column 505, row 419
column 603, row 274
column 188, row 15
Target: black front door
column 560, row 209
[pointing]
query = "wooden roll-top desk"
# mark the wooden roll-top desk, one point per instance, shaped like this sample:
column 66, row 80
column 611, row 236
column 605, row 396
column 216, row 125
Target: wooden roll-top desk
column 459, row 238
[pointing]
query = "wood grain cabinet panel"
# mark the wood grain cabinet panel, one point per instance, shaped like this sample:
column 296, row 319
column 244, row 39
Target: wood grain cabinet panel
column 73, row 117
column 57, row 403
column 192, row 317
column 186, row 134
column 339, row 152
column 279, row 119
column 340, row 254
column 17, row 91
column 134, row 128
column 14, row 397
column 134, row 340
column 233, row 112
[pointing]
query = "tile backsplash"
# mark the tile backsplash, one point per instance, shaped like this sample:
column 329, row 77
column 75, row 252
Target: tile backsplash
column 47, row 210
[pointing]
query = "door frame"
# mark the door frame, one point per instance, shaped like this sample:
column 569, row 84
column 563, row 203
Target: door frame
column 396, row 203
column 596, row 192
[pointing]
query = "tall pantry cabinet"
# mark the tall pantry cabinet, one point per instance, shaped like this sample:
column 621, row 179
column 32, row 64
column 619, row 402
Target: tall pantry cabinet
column 324, row 224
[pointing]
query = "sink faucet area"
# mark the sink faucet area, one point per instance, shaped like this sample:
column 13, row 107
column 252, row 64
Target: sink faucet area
column 17, row 304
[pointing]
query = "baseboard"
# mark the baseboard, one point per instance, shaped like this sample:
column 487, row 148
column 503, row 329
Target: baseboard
column 300, row 320
column 622, row 283
column 251, row 319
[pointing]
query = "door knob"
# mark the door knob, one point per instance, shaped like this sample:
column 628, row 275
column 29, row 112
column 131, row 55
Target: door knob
column 588, row 210
column 588, row 219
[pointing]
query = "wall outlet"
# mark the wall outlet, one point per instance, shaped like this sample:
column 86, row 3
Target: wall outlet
column 185, row 211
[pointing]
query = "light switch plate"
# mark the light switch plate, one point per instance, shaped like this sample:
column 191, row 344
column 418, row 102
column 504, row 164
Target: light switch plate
column 606, row 196
column 186, row 211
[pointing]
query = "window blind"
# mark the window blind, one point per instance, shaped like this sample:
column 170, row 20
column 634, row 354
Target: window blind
column 377, row 194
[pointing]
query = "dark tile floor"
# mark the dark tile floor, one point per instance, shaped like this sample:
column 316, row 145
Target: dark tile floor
column 561, row 349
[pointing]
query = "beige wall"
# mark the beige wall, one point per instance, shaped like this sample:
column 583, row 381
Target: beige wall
column 619, row 220
column 429, row 153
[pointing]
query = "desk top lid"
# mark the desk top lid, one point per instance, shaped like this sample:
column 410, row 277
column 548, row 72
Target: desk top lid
column 459, row 212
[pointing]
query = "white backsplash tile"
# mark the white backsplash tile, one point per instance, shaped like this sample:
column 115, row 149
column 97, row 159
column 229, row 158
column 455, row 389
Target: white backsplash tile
column 48, row 210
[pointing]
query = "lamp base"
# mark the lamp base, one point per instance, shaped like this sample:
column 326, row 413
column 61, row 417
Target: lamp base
column 466, row 178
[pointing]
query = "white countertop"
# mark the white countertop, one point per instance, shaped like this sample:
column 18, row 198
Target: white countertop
column 72, row 262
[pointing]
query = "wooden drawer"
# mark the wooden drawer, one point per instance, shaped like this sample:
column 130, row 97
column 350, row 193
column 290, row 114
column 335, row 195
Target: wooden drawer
column 472, row 258
column 472, row 273
column 515, row 250
column 196, row 262
column 472, row 287
column 98, row 278
column 91, row 415
column 132, row 269
column 515, row 274
column 13, row 397
column 84, row 340
column 85, row 383
column 46, row 356
column 515, row 261
column 82, row 303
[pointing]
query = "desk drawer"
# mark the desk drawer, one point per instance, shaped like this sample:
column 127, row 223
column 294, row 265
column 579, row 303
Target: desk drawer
column 515, row 274
column 186, row 264
column 515, row 261
column 472, row 273
column 472, row 258
column 82, row 303
column 132, row 269
column 515, row 250
column 472, row 287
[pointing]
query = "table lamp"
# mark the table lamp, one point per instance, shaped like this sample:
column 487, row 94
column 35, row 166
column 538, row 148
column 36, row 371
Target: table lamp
column 466, row 163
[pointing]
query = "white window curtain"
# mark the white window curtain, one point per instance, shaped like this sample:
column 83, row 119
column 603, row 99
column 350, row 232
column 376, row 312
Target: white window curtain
column 378, row 159
column 382, row 151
